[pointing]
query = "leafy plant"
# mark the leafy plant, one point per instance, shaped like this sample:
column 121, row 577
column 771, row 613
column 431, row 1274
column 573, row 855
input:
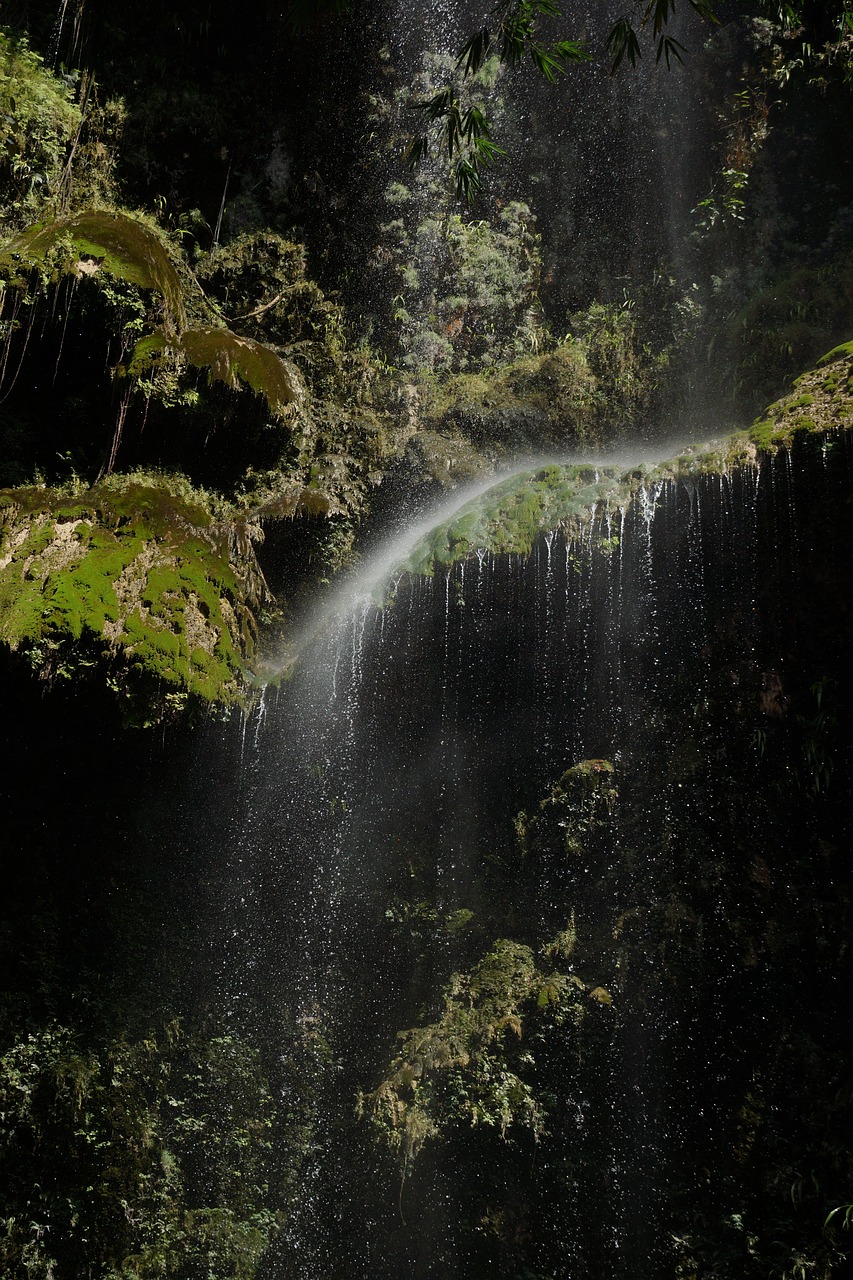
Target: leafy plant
column 463, row 131
column 39, row 119
column 469, row 1065
column 133, row 1158
column 514, row 33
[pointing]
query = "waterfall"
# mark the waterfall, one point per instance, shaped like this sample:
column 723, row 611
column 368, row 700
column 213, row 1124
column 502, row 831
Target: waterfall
column 426, row 804
column 385, row 779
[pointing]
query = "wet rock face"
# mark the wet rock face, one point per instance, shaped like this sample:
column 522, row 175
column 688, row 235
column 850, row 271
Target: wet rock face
column 542, row 816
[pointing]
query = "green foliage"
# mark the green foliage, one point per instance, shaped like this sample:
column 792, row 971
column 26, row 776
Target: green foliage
column 133, row 1159
column 40, row 119
column 463, row 129
column 827, row 391
column 510, row 516
column 469, row 1066
column 463, row 132
column 627, row 371
column 467, row 290
column 261, row 283
column 623, row 40
column 787, row 325
column 580, row 803
column 228, row 359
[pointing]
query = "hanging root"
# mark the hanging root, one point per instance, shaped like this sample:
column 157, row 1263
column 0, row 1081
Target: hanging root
column 402, row 1184
column 117, row 434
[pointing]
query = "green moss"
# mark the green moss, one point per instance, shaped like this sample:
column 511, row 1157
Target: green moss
column 228, row 359
column 761, row 433
column 509, row 517
column 138, row 568
column 125, row 247
column 837, row 353
column 801, row 402
column 788, row 324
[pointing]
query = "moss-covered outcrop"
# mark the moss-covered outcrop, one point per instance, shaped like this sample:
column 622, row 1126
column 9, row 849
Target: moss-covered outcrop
column 786, row 325
column 137, row 575
column 134, row 1115
column 228, row 359
column 143, row 574
column 512, row 514
column 126, row 247
column 820, row 400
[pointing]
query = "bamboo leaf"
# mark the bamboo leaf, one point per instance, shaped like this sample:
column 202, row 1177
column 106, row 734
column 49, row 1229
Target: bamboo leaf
column 475, row 51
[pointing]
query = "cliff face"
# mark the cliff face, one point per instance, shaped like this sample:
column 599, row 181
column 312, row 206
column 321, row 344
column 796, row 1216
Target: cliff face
column 161, row 321
column 509, row 935
column 156, row 584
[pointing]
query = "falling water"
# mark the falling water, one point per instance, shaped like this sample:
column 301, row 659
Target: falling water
column 390, row 767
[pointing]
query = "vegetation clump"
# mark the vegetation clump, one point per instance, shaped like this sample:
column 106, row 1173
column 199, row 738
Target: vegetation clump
column 138, row 1157
column 826, row 391
column 40, row 119
column 471, row 1065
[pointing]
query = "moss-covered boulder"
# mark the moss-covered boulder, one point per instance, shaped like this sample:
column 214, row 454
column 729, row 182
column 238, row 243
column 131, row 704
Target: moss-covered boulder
column 135, row 575
column 820, row 400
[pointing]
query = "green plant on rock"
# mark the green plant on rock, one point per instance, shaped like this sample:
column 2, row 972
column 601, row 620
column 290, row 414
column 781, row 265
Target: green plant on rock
column 580, row 803
column 261, row 283
column 468, row 289
column 788, row 324
column 133, row 1158
column 39, row 120
column 565, row 498
column 627, row 371
column 473, row 1066
column 458, row 291
column 131, row 569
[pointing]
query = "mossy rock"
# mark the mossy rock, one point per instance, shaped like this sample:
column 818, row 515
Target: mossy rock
column 136, row 571
column 561, row 497
column 789, row 323
column 827, row 395
column 100, row 240
column 837, row 353
column 229, row 359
